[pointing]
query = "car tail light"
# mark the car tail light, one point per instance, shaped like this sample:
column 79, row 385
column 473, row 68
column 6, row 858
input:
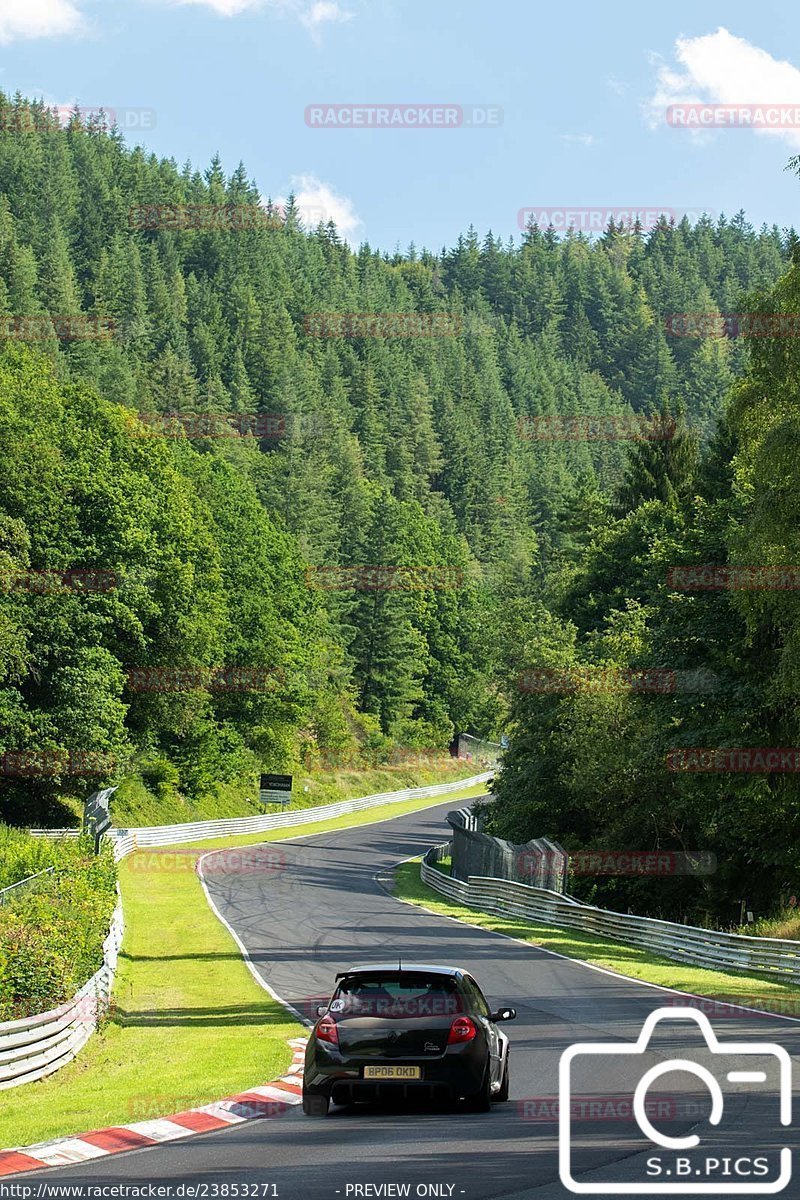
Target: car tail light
column 462, row 1030
column 327, row 1031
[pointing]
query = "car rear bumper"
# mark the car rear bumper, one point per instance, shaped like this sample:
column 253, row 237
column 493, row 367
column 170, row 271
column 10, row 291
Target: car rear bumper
column 352, row 1091
column 454, row 1074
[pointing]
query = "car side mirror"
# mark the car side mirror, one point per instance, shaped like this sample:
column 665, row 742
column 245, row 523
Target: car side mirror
column 321, row 1010
column 504, row 1014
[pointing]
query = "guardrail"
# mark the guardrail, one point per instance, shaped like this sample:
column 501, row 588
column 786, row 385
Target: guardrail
column 6, row 893
column 126, row 841
column 37, row 1046
column 55, row 834
column 777, row 957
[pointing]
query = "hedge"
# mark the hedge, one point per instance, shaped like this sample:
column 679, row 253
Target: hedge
column 51, row 935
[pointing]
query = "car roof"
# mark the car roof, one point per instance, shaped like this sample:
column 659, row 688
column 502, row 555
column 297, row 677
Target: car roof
column 395, row 968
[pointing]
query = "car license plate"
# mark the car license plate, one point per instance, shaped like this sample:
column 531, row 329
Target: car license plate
column 392, row 1072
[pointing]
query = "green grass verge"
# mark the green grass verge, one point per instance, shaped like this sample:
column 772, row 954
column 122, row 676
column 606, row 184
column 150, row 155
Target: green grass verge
column 190, row 1024
column 750, row 990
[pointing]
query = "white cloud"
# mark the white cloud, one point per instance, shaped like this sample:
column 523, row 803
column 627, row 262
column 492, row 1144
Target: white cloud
column 618, row 86
column 37, row 18
column 226, row 8
column 317, row 201
column 579, row 139
column 720, row 68
column 313, row 14
column 322, row 12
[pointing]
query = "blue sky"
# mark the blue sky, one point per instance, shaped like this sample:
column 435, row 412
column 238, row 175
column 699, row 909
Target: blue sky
column 582, row 88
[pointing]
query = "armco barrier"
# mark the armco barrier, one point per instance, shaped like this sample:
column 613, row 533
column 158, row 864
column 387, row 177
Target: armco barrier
column 38, row 1046
column 142, row 838
column 687, row 943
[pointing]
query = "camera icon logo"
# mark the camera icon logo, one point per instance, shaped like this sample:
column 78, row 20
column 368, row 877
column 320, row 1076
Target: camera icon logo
column 679, row 1162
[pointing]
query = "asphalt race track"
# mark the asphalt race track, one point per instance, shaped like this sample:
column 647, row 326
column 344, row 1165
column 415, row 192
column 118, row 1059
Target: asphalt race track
column 321, row 908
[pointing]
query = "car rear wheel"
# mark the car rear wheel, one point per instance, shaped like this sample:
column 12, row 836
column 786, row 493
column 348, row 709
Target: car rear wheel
column 504, row 1083
column 481, row 1101
column 315, row 1104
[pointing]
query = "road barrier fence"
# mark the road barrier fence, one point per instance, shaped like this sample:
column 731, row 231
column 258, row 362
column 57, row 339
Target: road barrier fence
column 775, row 957
column 34, row 1047
column 125, row 841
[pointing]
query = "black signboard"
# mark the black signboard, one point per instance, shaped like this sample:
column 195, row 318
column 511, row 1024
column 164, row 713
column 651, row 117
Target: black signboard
column 275, row 789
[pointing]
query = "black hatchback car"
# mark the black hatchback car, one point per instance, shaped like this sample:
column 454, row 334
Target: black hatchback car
column 406, row 1031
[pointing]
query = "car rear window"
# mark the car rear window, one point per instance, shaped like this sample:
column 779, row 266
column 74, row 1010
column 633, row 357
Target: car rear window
column 397, row 996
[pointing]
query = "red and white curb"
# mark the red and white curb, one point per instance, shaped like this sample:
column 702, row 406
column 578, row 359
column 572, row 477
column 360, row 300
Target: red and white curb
column 271, row 1100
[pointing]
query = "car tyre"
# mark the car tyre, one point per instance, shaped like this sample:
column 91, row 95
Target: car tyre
column 481, row 1101
column 504, row 1083
column 315, row 1104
